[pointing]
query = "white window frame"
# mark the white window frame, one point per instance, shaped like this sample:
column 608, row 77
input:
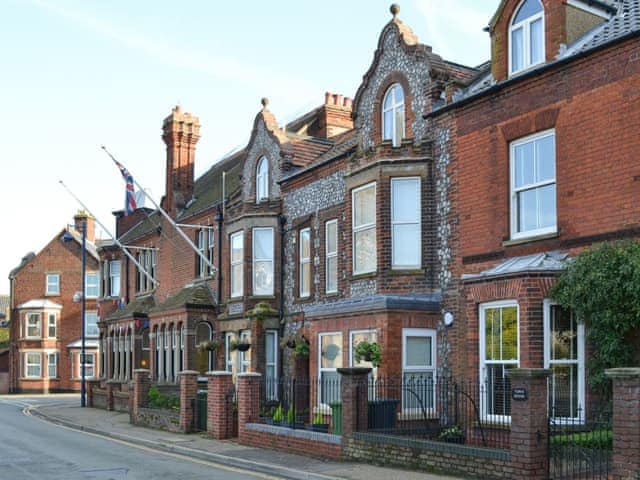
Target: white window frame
column 418, row 263
column 262, row 180
column 304, row 262
column 206, row 241
column 52, row 284
column 234, row 265
column 395, row 141
column 321, row 369
column 482, row 354
column 330, row 255
column 363, row 228
column 87, row 366
column 38, row 325
column 28, row 364
column 580, row 361
column 230, row 356
column 514, row 207
column 255, row 260
column 526, row 39
column 52, row 366
column 87, row 315
column 114, row 278
column 52, row 325
column 421, row 369
column 244, row 359
column 271, row 338
column 92, row 281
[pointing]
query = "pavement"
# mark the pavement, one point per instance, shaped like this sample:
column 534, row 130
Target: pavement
column 116, row 426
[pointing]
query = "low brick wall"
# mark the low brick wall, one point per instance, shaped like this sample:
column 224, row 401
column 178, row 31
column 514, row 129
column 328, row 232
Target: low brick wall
column 162, row 419
column 121, row 401
column 319, row 445
column 99, row 398
column 428, row 456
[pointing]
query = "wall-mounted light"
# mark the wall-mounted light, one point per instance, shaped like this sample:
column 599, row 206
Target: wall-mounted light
column 448, row 319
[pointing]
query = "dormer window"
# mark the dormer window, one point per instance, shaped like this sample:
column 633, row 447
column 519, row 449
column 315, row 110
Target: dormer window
column 393, row 115
column 262, row 180
column 526, row 36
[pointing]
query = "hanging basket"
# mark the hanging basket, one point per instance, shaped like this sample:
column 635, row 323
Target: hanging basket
column 243, row 347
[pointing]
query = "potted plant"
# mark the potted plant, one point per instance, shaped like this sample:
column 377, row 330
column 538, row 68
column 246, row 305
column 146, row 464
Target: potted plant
column 261, row 311
column 292, row 418
column 368, row 352
column 452, row 434
column 242, row 345
column 318, row 424
column 301, row 349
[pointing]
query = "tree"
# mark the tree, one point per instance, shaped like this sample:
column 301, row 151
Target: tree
column 602, row 287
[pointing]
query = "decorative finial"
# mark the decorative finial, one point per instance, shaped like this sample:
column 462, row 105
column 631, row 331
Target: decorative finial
column 264, row 101
column 395, row 10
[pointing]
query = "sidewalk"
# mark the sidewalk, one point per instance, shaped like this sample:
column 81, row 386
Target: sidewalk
column 116, row 426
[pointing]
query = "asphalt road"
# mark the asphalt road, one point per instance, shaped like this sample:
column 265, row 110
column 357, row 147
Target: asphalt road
column 31, row 448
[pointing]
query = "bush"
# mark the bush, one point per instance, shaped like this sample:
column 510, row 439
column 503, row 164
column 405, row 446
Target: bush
column 4, row 337
column 163, row 401
column 596, row 439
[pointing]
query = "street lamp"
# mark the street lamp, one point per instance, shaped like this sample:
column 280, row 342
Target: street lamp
column 81, row 297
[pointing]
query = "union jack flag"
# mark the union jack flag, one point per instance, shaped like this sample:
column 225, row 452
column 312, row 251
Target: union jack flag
column 130, row 197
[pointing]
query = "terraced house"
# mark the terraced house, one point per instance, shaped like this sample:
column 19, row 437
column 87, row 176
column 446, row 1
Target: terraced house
column 430, row 215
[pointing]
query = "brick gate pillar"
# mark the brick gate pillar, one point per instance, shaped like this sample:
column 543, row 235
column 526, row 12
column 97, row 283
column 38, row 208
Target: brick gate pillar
column 248, row 385
column 529, row 422
column 219, row 405
column 354, row 383
column 140, row 394
column 626, row 422
column 188, row 396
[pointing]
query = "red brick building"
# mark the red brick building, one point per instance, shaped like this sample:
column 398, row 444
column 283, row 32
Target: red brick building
column 45, row 331
column 430, row 214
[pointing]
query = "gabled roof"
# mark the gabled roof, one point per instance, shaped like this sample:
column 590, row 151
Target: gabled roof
column 625, row 21
column 139, row 307
column 39, row 304
column 198, row 295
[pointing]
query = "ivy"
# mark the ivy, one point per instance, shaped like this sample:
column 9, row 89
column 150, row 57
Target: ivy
column 602, row 287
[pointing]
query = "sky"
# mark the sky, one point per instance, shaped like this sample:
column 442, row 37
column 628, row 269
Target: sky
column 78, row 74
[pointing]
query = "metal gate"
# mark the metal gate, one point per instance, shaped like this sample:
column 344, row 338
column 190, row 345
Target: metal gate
column 580, row 448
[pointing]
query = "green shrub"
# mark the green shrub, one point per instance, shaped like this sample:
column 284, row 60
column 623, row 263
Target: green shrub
column 163, row 401
column 4, row 337
column 278, row 414
column 596, row 439
column 291, row 414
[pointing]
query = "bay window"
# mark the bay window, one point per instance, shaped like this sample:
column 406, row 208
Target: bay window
column 237, row 254
column 364, row 229
column 405, row 222
column 262, row 261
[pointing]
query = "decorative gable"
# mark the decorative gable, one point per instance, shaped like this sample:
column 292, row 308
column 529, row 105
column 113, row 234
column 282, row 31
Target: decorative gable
column 266, row 140
column 400, row 53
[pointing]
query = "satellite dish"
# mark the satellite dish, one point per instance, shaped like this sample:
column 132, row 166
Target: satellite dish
column 448, row 319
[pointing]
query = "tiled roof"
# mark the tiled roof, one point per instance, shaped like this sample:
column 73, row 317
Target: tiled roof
column 199, row 295
column 624, row 22
column 344, row 143
column 139, row 307
column 306, row 150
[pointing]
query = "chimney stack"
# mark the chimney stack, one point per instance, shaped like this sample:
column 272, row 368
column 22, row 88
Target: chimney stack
column 81, row 217
column 180, row 132
column 334, row 116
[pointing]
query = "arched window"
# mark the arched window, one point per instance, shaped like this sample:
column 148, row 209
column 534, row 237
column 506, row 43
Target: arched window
column 262, row 180
column 393, row 115
column 526, row 36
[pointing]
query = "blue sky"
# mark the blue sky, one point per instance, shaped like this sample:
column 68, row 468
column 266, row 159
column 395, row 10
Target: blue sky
column 79, row 74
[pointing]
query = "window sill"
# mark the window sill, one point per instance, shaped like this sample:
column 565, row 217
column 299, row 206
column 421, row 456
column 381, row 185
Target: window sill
column 532, row 238
column 331, row 294
column 407, row 271
column 262, row 297
column 361, row 276
column 51, row 294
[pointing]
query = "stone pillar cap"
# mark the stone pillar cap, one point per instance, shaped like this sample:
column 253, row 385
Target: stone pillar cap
column 189, row 372
column 249, row 374
column 627, row 372
column 218, row 373
column 141, row 370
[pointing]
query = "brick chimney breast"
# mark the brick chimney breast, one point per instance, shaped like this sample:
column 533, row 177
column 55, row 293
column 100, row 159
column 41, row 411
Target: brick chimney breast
column 180, row 132
column 82, row 216
column 334, row 117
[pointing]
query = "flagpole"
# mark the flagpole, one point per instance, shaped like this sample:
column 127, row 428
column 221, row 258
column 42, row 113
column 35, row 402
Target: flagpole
column 124, row 249
column 168, row 218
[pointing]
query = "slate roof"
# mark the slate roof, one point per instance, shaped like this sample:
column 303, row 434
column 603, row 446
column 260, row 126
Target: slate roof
column 139, row 307
column 625, row 21
column 553, row 261
column 414, row 301
column 198, row 295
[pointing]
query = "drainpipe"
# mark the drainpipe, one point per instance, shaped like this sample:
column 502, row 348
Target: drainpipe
column 126, row 280
column 283, row 221
column 220, row 219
